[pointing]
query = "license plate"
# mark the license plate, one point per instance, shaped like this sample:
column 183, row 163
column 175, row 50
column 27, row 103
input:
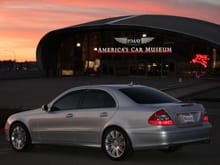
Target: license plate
column 187, row 118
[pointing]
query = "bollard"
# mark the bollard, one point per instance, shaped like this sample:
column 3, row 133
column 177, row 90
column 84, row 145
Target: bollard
column 180, row 80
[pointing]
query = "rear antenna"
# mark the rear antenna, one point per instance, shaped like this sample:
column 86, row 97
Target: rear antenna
column 131, row 83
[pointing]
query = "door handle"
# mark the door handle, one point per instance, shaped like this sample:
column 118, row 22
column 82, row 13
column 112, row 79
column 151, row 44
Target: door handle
column 69, row 115
column 104, row 114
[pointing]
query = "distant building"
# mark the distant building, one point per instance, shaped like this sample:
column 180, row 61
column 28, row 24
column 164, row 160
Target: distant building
column 13, row 66
column 148, row 45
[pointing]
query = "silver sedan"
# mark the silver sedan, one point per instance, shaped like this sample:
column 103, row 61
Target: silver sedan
column 117, row 118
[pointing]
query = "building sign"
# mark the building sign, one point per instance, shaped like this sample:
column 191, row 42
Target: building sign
column 134, row 41
column 134, row 46
column 200, row 59
column 135, row 50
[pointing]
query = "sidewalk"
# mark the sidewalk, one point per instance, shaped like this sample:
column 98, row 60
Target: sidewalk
column 188, row 90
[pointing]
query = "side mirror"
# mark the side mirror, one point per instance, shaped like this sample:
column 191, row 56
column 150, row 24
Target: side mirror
column 45, row 108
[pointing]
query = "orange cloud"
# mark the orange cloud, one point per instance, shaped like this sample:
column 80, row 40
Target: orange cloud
column 23, row 23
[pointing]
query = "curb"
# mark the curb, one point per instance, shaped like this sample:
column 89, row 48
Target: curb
column 208, row 99
column 180, row 85
column 197, row 92
column 177, row 86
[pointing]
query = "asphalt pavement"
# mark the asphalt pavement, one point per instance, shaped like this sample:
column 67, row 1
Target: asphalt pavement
column 32, row 93
column 197, row 154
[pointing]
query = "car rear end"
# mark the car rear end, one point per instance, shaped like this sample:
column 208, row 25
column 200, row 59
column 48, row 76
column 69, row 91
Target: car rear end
column 190, row 124
column 172, row 125
column 168, row 122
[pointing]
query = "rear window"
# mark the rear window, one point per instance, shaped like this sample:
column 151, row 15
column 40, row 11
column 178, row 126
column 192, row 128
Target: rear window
column 144, row 95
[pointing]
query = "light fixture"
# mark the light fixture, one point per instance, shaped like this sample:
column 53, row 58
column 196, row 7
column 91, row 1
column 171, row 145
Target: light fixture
column 214, row 54
column 95, row 49
column 144, row 35
column 78, row 44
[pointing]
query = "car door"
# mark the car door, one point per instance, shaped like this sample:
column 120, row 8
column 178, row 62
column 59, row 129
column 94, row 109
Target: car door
column 96, row 108
column 57, row 125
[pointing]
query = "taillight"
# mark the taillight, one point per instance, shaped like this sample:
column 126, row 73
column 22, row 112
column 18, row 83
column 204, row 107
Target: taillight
column 205, row 118
column 160, row 117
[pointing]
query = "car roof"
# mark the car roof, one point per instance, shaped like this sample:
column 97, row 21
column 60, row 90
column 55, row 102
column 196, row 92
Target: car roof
column 111, row 86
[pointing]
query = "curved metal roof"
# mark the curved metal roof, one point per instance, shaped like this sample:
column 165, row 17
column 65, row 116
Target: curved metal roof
column 182, row 25
column 187, row 26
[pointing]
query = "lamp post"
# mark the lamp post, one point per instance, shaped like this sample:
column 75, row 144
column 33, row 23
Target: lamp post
column 214, row 58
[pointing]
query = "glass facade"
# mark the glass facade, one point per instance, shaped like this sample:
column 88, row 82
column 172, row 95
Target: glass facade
column 132, row 52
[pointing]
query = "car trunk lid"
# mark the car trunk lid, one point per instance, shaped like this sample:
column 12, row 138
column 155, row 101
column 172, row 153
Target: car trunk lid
column 184, row 114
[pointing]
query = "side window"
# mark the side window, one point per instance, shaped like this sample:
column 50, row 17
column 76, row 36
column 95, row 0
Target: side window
column 68, row 101
column 97, row 99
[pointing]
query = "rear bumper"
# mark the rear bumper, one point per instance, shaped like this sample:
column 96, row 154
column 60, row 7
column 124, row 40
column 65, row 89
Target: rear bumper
column 162, row 137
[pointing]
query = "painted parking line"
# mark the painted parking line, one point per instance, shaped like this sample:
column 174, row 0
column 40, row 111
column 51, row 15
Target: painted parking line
column 4, row 151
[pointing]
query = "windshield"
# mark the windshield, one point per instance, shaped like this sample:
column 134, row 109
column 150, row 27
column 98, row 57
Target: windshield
column 144, row 95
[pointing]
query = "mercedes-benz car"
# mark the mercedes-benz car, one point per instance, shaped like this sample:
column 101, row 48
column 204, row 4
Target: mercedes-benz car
column 117, row 118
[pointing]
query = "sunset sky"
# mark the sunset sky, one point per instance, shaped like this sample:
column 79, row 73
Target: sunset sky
column 24, row 22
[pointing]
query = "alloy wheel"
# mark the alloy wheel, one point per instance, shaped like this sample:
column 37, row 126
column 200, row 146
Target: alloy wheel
column 20, row 138
column 116, row 144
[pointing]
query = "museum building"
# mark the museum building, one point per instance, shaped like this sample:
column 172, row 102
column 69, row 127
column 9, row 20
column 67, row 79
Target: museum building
column 145, row 45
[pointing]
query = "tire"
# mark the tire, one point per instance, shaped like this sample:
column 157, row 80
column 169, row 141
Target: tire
column 20, row 138
column 116, row 144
